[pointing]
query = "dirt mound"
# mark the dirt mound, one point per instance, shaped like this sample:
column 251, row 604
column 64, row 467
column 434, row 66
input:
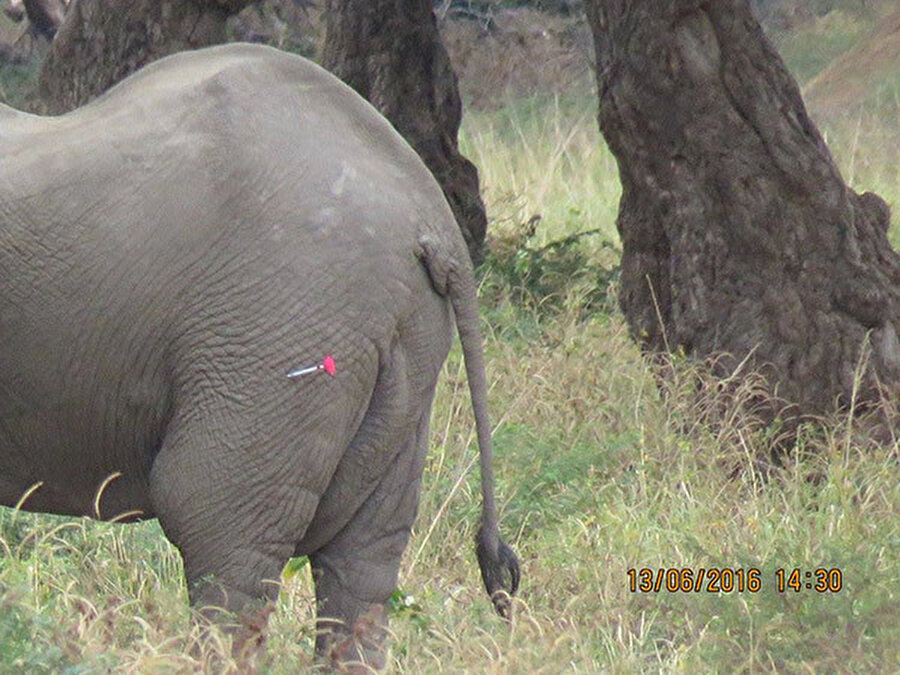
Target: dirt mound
column 856, row 75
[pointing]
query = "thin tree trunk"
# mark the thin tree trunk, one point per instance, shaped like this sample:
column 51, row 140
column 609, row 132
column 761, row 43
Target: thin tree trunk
column 103, row 41
column 739, row 234
column 391, row 53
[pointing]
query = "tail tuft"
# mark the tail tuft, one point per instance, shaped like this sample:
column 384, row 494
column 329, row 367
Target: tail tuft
column 499, row 570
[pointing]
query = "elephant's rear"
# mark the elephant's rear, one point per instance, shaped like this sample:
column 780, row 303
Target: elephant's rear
column 357, row 219
column 310, row 250
column 249, row 215
column 286, row 207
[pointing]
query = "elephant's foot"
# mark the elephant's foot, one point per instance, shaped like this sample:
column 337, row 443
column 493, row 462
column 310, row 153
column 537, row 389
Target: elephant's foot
column 359, row 649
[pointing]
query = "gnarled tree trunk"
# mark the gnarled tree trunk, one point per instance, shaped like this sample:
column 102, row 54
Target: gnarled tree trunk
column 391, row 53
column 103, row 41
column 739, row 234
column 44, row 16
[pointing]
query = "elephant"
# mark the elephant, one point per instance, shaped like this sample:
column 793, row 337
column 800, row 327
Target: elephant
column 169, row 253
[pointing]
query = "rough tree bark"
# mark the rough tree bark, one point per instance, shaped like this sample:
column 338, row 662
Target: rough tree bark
column 103, row 41
column 391, row 53
column 44, row 16
column 739, row 234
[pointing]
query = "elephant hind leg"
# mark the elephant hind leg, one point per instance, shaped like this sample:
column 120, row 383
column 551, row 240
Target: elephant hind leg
column 356, row 572
column 235, row 506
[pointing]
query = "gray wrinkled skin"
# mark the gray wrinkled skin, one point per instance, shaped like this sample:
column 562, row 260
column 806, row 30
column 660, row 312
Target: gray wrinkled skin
column 167, row 254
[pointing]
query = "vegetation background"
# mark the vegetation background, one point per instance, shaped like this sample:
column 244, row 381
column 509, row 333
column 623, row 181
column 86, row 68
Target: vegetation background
column 600, row 469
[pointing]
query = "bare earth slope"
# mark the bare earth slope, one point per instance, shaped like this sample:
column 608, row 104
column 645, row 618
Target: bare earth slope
column 856, row 75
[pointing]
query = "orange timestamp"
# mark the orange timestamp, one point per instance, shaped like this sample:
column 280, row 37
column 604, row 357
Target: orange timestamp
column 687, row 580
column 821, row 580
column 730, row 580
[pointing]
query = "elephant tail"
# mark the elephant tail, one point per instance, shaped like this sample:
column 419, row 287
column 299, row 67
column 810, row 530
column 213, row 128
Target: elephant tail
column 452, row 276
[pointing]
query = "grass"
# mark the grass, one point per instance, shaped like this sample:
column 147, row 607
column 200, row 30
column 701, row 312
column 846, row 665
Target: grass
column 544, row 155
column 813, row 46
column 864, row 143
column 16, row 82
column 599, row 471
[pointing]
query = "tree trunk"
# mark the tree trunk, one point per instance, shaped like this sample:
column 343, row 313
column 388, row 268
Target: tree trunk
column 391, row 53
column 103, row 41
column 739, row 234
column 44, row 16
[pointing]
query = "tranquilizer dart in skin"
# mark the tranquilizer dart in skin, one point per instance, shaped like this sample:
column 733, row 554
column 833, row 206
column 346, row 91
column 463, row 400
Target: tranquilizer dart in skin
column 327, row 365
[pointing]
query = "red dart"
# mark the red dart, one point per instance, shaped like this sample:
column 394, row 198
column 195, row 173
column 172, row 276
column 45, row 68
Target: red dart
column 327, row 365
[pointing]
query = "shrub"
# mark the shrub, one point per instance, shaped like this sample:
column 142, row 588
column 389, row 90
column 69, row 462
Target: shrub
column 561, row 274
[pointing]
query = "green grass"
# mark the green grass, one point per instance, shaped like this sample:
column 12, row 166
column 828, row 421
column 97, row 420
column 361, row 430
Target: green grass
column 810, row 48
column 17, row 80
column 864, row 145
column 545, row 156
column 599, row 471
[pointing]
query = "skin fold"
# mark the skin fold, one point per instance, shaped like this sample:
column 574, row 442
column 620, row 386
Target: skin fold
column 168, row 253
